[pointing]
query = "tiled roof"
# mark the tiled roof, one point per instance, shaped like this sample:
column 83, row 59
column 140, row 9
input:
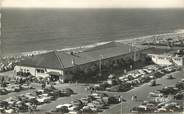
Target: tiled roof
column 46, row 60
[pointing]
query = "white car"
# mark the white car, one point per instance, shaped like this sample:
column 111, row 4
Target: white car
column 148, row 71
column 9, row 111
column 29, row 96
column 11, row 100
column 43, row 98
column 74, row 112
column 13, row 88
column 141, row 71
column 69, row 106
column 26, row 86
column 61, row 105
column 161, row 110
column 153, row 94
column 10, row 89
column 182, row 80
column 96, row 95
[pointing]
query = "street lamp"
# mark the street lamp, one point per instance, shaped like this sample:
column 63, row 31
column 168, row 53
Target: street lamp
column 121, row 104
column 100, row 65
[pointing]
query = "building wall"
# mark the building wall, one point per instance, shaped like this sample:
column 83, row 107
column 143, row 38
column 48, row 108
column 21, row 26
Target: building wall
column 33, row 71
column 126, row 57
column 25, row 69
column 166, row 60
column 178, row 61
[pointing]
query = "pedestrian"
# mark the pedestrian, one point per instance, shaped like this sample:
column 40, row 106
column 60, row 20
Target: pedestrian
column 135, row 97
column 43, row 85
column 91, row 90
column 119, row 98
column 30, row 109
column 2, row 79
column 9, row 79
column 20, row 81
column 132, row 97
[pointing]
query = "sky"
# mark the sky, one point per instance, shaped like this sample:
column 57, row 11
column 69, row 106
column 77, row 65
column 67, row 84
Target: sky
column 93, row 3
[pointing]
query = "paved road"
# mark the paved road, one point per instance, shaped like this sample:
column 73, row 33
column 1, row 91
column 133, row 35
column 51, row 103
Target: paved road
column 142, row 94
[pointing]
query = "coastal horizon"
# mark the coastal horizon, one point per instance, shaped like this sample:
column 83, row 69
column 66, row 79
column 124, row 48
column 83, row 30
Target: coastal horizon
column 66, row 28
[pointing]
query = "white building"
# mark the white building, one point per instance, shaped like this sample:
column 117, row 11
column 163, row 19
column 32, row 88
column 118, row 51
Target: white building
column 167, row 59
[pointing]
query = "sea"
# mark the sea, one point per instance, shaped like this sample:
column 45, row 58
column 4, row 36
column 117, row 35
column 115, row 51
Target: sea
column 29, row 29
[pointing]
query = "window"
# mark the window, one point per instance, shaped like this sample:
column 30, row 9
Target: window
column 40, row 70
column 160, row 57
column 177, row 59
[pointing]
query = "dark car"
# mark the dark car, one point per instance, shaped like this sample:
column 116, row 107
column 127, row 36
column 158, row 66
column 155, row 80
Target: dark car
column 152, row 83
column 179, row 96
column 169, row 90
column 180, row 85
column 138, row 109
column 62, row 110
column 170, row 77
column 67, row 92
column 113, row 100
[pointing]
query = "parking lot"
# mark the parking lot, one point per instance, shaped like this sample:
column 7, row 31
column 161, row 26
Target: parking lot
column 80, row 91
column 142, row 93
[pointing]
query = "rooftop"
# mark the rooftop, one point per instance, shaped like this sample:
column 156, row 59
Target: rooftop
column 61, row 60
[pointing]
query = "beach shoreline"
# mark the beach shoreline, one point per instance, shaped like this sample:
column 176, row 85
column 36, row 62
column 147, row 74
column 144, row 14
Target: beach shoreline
column 134, row 41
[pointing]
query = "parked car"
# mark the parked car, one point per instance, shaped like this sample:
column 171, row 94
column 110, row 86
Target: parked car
column 180, row 85
column 170, row 77
column 26, row 86
column 39, row 92
column 3, row 91
column 179, row 96
column 120, row 88
column 152, row 83
column 155, row 94
column 113, row 100
column 62, row 109
column 93, row 107
column 169, row 90
column 13, row 88
column 30, row 96
column 101, row 86
column 138, row 109
column 85, row 100
column 67, row 92
column 70, row 107
column 86, row 109
column 43, row 98
column 77, row 102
